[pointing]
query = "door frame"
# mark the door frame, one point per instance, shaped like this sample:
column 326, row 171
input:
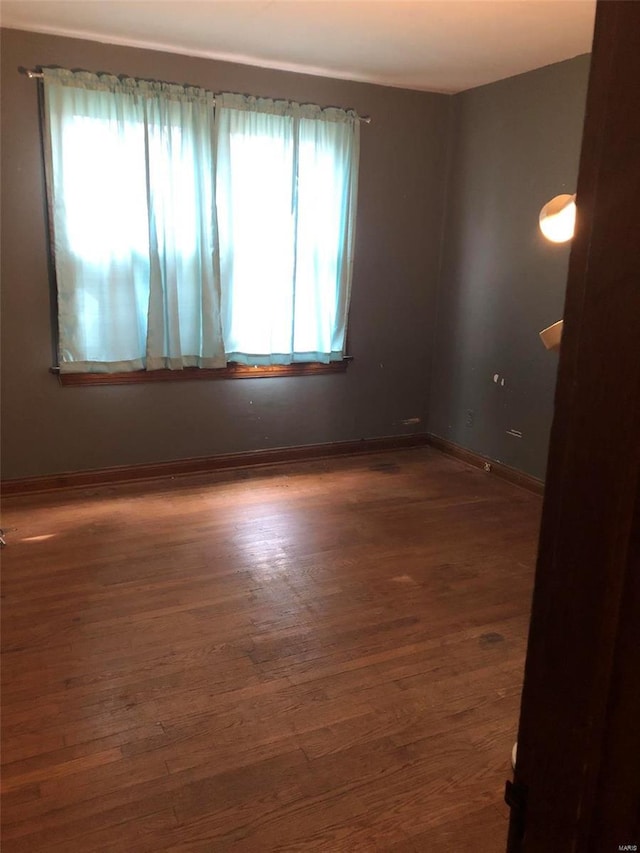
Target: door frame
column 576, row 785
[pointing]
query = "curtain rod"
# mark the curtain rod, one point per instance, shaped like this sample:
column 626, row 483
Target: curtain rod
column 38, row 75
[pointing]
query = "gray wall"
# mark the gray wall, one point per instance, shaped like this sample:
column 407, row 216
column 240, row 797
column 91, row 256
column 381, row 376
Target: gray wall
column 50, row 429
column 515, row 145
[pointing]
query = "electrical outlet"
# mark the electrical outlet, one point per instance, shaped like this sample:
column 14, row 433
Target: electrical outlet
column 469, row 418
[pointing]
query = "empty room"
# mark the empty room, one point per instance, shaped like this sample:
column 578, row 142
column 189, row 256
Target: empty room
column 276, row 414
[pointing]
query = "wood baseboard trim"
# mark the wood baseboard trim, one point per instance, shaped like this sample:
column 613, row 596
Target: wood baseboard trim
column 208, row 464
column 505, row 472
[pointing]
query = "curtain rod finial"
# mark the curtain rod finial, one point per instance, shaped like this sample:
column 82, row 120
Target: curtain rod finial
column 31, row 73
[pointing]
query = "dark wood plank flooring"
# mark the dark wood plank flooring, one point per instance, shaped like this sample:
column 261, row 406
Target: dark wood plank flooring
column 321, row 656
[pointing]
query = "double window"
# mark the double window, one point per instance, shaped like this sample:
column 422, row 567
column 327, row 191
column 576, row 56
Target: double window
column 193, row 231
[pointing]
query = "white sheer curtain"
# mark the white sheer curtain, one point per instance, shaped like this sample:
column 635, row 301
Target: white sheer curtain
column 130, row 181
column 286, row 186
column 187, row 240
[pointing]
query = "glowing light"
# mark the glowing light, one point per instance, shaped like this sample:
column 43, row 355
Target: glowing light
column 558, row 218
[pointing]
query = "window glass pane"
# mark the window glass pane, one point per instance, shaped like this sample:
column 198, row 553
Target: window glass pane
column 102, row 237
column 103, row 166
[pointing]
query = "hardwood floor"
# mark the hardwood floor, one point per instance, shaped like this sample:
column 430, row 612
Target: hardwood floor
column 321, row 656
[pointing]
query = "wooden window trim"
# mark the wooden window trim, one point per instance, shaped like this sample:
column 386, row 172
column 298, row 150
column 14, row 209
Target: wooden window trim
column 231, row 371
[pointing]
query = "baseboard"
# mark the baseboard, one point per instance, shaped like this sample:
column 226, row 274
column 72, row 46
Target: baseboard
column 505, row 472
column 204, row 465
column 256, row 458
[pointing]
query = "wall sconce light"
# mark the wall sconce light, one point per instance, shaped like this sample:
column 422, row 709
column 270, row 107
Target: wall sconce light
column 557, row 222
column 552, row 335
column 558, row 218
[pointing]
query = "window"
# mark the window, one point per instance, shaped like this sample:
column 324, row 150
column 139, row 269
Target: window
column 191, row 231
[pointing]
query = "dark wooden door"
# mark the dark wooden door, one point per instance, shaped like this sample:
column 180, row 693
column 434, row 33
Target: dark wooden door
column 578, row 769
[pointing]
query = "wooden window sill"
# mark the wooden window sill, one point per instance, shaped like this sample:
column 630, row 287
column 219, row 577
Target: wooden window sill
column 231, row 371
